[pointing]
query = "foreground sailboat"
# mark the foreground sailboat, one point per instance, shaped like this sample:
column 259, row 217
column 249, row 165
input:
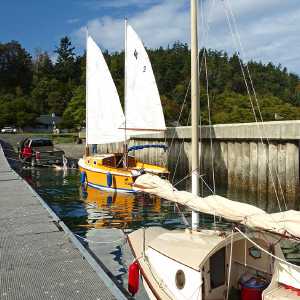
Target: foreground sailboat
column 213, row 264
column 106, row 122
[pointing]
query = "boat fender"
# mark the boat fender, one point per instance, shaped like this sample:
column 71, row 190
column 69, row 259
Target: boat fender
column 109, row 179
column 133, row 278
column 82, row 177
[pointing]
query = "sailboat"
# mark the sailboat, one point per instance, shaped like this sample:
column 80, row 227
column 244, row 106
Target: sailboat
column 106, row 123
column 244, row 263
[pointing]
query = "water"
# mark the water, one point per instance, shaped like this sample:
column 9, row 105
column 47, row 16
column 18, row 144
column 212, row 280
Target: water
column 84, row 209
column 96, row 216
column 99, row 219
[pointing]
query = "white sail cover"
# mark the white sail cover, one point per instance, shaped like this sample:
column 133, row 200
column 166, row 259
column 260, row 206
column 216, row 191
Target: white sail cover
column 143, row 105
column 104, row 114
column 285, row 223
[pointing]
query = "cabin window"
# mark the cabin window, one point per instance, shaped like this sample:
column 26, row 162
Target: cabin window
column 254, row 252
column 180, row 279
column 217, row 269
column 109, row 161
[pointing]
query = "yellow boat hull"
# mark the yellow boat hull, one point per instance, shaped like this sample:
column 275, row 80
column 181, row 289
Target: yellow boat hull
column 98, row 173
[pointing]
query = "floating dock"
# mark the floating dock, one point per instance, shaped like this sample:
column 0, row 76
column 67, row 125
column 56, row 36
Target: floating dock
column 40, row 258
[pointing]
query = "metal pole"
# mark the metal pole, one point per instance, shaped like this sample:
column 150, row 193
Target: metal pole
column 194, row 108
column 125, row 146
column 87, row 152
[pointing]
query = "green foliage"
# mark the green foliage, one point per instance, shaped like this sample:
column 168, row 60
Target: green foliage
column 74, row 115
column 30, row 87
column 16, row 111
column 15, row 68
column 65, row 65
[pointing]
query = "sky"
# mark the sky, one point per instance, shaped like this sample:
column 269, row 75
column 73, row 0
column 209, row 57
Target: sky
column 262, row 30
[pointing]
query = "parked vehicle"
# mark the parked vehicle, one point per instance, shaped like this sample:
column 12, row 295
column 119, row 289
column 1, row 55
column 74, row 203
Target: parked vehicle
column 8, row 130
column 39, row 151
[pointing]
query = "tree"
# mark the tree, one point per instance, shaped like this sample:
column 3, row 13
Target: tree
column 15, row 68
column 65, row 65
column 74, row 115
column 42, row 66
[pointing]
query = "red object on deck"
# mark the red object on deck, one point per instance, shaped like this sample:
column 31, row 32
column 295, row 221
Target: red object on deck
column 251, row 293
column 26, row 152
column 133, row 278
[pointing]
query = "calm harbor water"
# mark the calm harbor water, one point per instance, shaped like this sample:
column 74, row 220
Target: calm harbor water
column 84, row 209
column 94, row 215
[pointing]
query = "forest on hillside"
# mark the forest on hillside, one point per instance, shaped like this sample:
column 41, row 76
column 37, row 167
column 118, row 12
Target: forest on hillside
column 31, row 86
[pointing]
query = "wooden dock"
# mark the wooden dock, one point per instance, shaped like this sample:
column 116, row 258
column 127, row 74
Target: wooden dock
column 40, row 258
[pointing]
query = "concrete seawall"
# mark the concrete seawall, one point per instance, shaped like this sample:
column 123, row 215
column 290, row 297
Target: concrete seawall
column 261, row 160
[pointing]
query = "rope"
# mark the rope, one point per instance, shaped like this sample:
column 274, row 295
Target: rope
column 230, row 265
column 177, row 123
column 210, row 124
column 254, row 92
column 184, row 219
column 180, row 150
column 206, row 184
column 249, row 95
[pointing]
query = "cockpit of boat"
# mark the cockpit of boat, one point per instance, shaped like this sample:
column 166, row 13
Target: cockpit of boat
column 215, row 265
column 115, row 160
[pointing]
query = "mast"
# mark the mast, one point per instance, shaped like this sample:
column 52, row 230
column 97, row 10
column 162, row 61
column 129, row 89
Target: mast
column 125, row 146
column 195, row 108
column 86, row 96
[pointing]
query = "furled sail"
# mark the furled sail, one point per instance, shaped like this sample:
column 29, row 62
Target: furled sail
column 104, row 114
column 143, row 105
column 286, row 223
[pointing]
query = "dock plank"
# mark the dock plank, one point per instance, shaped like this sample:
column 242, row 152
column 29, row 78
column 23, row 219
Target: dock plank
column 37, row 259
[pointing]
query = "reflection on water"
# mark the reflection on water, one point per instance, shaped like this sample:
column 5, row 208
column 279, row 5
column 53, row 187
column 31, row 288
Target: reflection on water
column 85, row 208
column 99, row 218
column 97, row 215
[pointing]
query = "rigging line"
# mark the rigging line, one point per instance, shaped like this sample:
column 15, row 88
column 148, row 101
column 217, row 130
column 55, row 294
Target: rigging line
column 184, row 219
column 267, row 252
column 187, row 176
column 206, row 184
column 210, row 124
column 254, row 91
column 179, row 117
column 160, row 282
column 180, row 150
column 260, row 126
column 170, row 147
column 206, row 21
column 230, row 265
column 251, row 102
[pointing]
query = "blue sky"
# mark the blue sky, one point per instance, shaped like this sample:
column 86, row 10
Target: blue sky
column 269, row 29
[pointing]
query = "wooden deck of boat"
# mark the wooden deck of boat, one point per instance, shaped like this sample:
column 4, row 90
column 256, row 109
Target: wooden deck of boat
column 39, row 260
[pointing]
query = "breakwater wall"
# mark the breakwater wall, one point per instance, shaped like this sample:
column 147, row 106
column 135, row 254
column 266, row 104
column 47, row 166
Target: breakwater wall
column 261, row 160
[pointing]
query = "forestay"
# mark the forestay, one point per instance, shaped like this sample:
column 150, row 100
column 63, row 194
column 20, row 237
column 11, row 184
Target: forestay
column 104, row 113
column 286, row 223
column 143, row 108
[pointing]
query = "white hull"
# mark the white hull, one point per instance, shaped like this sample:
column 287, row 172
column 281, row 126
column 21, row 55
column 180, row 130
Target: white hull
column 199, row 257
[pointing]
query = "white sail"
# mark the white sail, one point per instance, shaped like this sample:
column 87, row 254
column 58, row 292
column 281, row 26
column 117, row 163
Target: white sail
column 142, row 100
column 104, row 114
column 285, row 223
